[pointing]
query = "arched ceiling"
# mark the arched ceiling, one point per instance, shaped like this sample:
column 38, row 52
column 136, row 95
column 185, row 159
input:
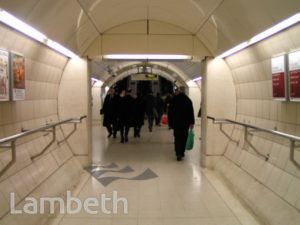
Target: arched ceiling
column 176, row 72
column 219, row 24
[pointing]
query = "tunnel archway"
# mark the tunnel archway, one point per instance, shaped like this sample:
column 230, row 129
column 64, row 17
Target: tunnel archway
column 177, row 72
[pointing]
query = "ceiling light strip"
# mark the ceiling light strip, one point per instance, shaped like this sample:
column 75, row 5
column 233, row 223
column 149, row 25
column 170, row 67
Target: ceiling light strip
column 33, row 33
column 197, row 78
column 147, row 57
column 263, row 35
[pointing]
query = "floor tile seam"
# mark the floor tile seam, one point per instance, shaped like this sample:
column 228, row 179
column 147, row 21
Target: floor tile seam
column 77, row 194
column 231, row 210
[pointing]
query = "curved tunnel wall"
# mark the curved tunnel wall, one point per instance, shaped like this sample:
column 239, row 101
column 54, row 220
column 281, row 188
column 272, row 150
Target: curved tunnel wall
column 45, row 73
column 51, row 77
column 253, row 178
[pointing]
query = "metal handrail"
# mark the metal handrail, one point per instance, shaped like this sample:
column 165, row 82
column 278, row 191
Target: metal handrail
column 52, row 126
column 292, row 138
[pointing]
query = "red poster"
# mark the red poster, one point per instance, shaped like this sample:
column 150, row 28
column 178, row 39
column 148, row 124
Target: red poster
column 278, row 77
column 295, row 83
column 278, row 85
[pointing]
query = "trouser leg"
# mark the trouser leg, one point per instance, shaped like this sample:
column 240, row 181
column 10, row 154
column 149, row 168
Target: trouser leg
column 156, row 119
column 159, row 118
column 135, row 131
column 109, row 129
column 150, row 121
column 180, row 136
column 122, row 133
column 138, row 130
column 126, row 133
column 115, row 128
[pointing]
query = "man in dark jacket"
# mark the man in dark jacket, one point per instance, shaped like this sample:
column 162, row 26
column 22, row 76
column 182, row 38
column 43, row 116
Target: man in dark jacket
column 181, row 118
column 125, row 114
column 109, row 110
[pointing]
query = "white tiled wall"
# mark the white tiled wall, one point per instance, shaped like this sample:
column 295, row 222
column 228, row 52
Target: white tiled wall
column 44, row 70
column 251, row 71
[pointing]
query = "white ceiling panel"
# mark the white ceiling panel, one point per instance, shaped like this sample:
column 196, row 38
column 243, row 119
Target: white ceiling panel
column 58, row 19
column 19, row 8
column 206, row 7
column 177, row 12
column 82, row 38
column 108, row 14
column 219, row 24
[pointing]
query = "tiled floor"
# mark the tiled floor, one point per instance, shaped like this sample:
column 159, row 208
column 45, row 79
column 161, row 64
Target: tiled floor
column 180, row 193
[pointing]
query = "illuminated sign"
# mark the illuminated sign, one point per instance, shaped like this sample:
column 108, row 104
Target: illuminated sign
column 151, row 75
column 144, row 76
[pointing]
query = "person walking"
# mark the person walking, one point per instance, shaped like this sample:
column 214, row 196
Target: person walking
column 125, row 114
column 109, row 110
column 159, row 106
column 139, row 114
column 149, row 109
column 181, row 119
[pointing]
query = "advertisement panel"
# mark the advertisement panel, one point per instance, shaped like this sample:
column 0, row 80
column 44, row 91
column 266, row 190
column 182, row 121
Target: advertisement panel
column 18, row 76
column 294, row 76
column 279, row 77
column 4, row 76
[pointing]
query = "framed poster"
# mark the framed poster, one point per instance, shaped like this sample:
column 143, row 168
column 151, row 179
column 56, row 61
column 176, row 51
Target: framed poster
column 294, row 76
column 4, row 76
column 18, row 76
column 279, row 78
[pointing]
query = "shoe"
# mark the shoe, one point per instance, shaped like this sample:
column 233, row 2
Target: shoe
column 122, row 140
column 109, row 135
column 178, row 158
column 115, row 136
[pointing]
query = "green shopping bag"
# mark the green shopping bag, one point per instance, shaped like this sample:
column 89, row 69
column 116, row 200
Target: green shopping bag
column 190, row 141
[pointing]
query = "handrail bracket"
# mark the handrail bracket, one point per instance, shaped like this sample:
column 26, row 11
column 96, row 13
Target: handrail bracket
column 292, row 153
column 48, row 145
column 266, row 157
column 70, row 134
column 231, row 139
column 13, row 158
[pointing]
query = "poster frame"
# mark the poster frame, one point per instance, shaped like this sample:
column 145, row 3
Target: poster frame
column 292, row 99
column 285, row 69
column 8, row 85
column 17, row 94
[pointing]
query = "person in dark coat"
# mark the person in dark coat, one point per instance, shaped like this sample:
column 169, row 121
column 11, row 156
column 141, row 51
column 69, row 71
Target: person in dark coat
column 139, row 114
column 159, row 106
column 109, row 110
column 181, row 118
column 150, row 109
column 125, row 114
